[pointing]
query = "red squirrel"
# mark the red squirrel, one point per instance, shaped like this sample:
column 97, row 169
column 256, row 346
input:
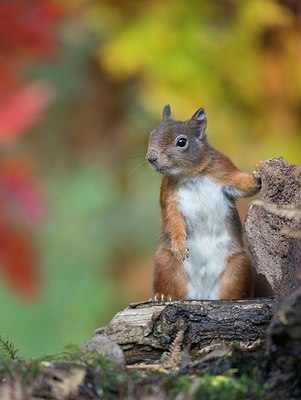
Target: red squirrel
column 201, row 253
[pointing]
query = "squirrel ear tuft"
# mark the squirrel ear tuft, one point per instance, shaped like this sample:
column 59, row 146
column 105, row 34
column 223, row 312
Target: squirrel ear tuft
column 201, row 121
column 166, row 113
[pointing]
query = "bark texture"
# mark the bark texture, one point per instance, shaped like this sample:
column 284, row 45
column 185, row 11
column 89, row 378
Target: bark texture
column 275, row 255
column 284, row 349
column 145, row 330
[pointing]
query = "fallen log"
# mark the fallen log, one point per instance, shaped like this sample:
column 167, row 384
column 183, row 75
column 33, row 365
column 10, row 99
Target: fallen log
column 145, row 330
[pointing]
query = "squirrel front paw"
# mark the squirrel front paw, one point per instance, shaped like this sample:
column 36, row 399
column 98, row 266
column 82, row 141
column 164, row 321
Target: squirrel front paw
column 257, row 174
column 180, row 250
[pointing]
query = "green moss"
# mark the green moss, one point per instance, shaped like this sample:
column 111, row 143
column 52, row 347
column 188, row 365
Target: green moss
column 224, row 388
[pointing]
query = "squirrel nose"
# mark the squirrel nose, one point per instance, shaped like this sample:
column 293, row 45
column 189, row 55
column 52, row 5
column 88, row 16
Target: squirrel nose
column 151, row 157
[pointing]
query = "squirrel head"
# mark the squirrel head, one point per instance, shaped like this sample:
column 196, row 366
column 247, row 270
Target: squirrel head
column 176, row 148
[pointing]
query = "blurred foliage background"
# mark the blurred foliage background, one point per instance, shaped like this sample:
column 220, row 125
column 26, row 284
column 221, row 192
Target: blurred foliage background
column 82, row 82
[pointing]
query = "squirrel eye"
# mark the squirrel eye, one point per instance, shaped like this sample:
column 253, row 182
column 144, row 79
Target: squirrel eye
column 182, row 142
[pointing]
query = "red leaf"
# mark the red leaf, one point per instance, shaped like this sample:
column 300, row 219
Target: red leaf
column 21, row 200
column 18, row 262
column 8, row 80
column 20, row 190
column 28, row 26
column 22, row 110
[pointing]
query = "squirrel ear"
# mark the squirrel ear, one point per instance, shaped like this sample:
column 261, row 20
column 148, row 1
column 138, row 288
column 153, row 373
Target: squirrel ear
column 166, row 113
column 199, row 115
column 200, row 118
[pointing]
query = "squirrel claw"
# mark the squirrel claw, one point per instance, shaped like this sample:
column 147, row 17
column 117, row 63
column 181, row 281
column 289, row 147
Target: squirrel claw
column 257, row 174
column 186, row 253
column 161, row 297
column 258, row 166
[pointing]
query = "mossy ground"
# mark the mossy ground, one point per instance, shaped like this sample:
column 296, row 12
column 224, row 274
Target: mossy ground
column 76, row 375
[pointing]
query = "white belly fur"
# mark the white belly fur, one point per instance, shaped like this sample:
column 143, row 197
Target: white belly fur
column 204, row 207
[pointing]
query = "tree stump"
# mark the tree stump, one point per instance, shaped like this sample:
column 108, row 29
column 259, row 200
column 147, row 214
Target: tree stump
column 276, row 255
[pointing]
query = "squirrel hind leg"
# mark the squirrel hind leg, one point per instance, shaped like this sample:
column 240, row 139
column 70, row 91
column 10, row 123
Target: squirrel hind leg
column 170, row 279
column 236, row 279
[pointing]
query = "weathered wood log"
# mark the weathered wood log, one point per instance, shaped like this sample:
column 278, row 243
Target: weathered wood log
column 145, row 330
